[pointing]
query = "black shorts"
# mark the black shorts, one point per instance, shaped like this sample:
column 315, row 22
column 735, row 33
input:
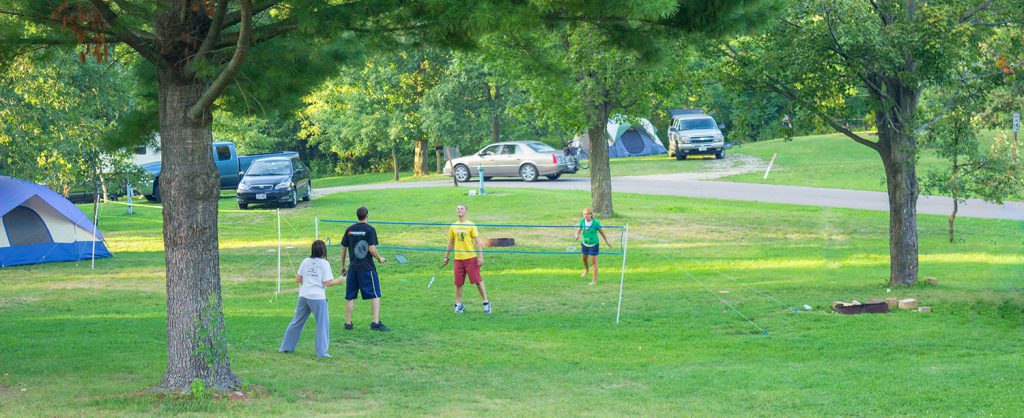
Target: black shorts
column 365, row 282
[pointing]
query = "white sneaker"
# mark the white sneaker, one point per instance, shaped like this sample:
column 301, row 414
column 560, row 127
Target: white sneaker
column 487, row 307
column 459, row 308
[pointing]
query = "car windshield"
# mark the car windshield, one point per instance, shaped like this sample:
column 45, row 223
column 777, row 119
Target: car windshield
column 541, row 147
column 694, row 124
column 270, row 168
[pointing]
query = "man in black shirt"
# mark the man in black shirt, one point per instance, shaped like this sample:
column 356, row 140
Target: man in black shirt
column 360, row 243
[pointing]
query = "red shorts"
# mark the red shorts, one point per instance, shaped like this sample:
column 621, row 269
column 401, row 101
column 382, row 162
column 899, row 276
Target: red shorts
column 469, row 267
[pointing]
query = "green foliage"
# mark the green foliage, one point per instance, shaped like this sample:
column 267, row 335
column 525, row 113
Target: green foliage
column 993, row 175
column 199, row 391
column 369, row 110
column 55, row 114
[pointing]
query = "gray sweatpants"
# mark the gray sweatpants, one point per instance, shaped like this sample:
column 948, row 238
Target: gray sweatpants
column 323, row 325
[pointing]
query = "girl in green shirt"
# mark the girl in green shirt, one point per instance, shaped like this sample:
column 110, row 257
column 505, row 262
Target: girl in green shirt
column 589, row 229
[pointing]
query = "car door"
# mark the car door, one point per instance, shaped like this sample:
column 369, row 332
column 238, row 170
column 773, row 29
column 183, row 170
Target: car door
column 306, row 182
column 226, row 165
column 297, row 176
column 513, row 155
column 488, row 159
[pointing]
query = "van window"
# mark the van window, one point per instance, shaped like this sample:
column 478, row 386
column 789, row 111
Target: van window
column 223, row 153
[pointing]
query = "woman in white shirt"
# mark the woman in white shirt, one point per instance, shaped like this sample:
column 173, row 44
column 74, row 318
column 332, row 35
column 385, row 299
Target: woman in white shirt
column 316, row 276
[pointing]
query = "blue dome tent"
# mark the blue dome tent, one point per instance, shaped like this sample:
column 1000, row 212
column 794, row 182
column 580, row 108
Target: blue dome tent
column 37, row 225
column 628, row 140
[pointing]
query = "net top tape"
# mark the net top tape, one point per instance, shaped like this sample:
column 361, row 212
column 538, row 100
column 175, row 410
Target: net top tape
column 441, row 250
column 346, row 221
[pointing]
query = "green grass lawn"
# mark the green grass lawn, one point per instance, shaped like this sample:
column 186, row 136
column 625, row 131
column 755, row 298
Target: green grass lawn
column 404, row 176
column 832, row 160
column 75, row 341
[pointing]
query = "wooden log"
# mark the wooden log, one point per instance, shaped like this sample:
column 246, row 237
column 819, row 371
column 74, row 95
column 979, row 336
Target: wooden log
column 931, row 280
column 924, row 309
column 499, row 242
column 869, row 308
column 892, row 302
column 907, row 303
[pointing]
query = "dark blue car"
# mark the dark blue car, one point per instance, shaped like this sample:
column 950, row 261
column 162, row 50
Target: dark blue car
column 275, row 180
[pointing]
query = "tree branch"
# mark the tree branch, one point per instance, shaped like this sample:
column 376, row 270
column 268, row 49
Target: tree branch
column 785, row 92
column 198, row 110
column 213, row 35
column 233, row 18
column 970, row 15
column 128, row 37
column 262, row 34
column 780, row 88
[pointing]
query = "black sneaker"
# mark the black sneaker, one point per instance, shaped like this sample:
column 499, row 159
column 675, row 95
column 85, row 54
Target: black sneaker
column 348, row 327
column 379, row 326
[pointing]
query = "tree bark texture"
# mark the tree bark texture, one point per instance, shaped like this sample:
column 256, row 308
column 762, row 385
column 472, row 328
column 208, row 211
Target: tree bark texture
column 495, row 117
column 898, row 148
column 600, row 169
column 952, row 219
column 190, row 187
column 956, row 200
column 420, row 160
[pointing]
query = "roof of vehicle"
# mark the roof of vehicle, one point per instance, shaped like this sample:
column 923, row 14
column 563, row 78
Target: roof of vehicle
column 681, row 112
column 688, row 114
column 281, row 158
column 516, row 142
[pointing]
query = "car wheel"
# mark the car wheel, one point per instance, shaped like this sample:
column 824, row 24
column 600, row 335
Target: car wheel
column 680, row 156
column 243, row 206
column 309, row 191
column 528, row 172
column 554, row 176
column 720, row 154
column 294, row 201
column 462, row 173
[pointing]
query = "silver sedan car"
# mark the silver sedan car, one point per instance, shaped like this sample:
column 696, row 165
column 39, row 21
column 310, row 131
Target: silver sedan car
column 524, row 159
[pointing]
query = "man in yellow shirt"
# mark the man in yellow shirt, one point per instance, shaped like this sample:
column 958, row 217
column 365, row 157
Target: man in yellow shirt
column 469, row 257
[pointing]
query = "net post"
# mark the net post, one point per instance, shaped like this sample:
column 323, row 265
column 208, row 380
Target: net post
column 95, row 225
column 316, row 228
column 279, row 250
column 622, row 277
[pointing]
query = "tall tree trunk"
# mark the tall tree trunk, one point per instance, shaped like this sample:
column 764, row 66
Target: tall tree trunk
column 956, row 192
column 420, row 160
column 495, row 116
column 437, row 159
column 103, row 181
column 190, row 187
column 898, row 149
column 600, row 169
column 952, row 218
column 394, row 160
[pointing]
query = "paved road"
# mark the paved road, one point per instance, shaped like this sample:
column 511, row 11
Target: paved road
column 681, row 185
